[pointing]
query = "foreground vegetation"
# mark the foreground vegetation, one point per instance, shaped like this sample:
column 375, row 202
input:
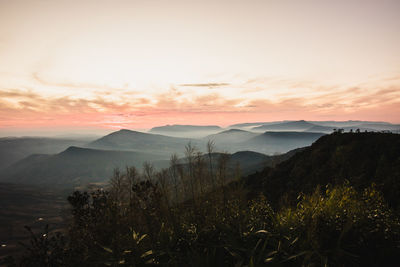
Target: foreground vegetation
column 201, row 214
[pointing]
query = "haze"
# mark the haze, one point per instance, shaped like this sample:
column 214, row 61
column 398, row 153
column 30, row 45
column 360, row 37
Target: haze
column 92, row 66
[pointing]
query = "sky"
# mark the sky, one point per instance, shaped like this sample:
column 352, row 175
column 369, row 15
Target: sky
column 86, row 65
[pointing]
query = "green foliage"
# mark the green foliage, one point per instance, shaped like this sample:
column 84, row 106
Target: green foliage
column 361, row 158
column 338, row 227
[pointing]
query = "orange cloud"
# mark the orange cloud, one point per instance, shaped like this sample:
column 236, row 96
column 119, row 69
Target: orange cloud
column 209, row 85
column 25, row 108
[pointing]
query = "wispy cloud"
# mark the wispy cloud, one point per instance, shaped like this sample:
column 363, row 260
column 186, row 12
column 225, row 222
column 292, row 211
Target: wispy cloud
column 104, row 89
column 209, row 85
column 27, row 107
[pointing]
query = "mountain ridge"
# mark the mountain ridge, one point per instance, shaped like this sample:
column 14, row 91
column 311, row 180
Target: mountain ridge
column 359, row 158
column 72, row 167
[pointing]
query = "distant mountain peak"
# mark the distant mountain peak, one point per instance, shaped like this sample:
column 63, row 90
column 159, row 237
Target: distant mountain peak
column 234, row 131
column 187, row 125
column 127, row 131
column 180, row 127
column 299, row 125
column 72, row 148
column 291, row 133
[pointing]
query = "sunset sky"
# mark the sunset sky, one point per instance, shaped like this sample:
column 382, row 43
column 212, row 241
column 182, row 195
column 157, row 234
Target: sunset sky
column 82, row 65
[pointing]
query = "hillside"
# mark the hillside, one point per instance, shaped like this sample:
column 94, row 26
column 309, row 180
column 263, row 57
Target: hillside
column 248, row 161
column 286, row 126
column 141, row 142
column 319, row 126
column 354, row 125
column 381, row 126
column 321, row 129
column 231, row 136
column 349, row 123
column 270, row 143
column 72, row 167
column 254, row 124
column 184, row 128
column 192, row 131
column 13, row 149
column 280, row 142
column 362, row 159
column 251, row 162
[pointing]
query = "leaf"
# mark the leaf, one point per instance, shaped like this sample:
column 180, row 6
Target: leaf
column 268, row 260
column 134, row 235
column 296, row 256
column 232, row 253
column 150, row 261
column 141, row 238
column 294, row 241
column 261, row 252
column 272, row 253
column 107, row 249
column 251, row 263
column 255, row 248
column 147, row 253
column 262, row 232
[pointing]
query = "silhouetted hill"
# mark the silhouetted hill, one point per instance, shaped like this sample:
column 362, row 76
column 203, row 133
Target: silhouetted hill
column 281, row 142
column 143, row 142
column 286, row 126
column 192, row 131
column 13, row 149
column 349, row 123
column 184, row 128
column 248, row 161
column 74, row 166
column 318, row 126
column 231, row 136
column 360, row 125
column 251, row 162
column 321, row 129
column 248, row 156
column 381, row 126
column 267, row 143
column 360, row 158
column 371, row 127
column 253, row 124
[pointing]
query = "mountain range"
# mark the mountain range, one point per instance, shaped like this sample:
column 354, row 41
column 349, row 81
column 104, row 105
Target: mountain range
column 74, row 162
column 13, row 149
column 195, row 131
column 128, row 140
column 95, row 161
column 74, row 166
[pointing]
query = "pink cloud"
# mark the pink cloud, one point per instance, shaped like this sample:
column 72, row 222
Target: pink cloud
column 26, row 109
